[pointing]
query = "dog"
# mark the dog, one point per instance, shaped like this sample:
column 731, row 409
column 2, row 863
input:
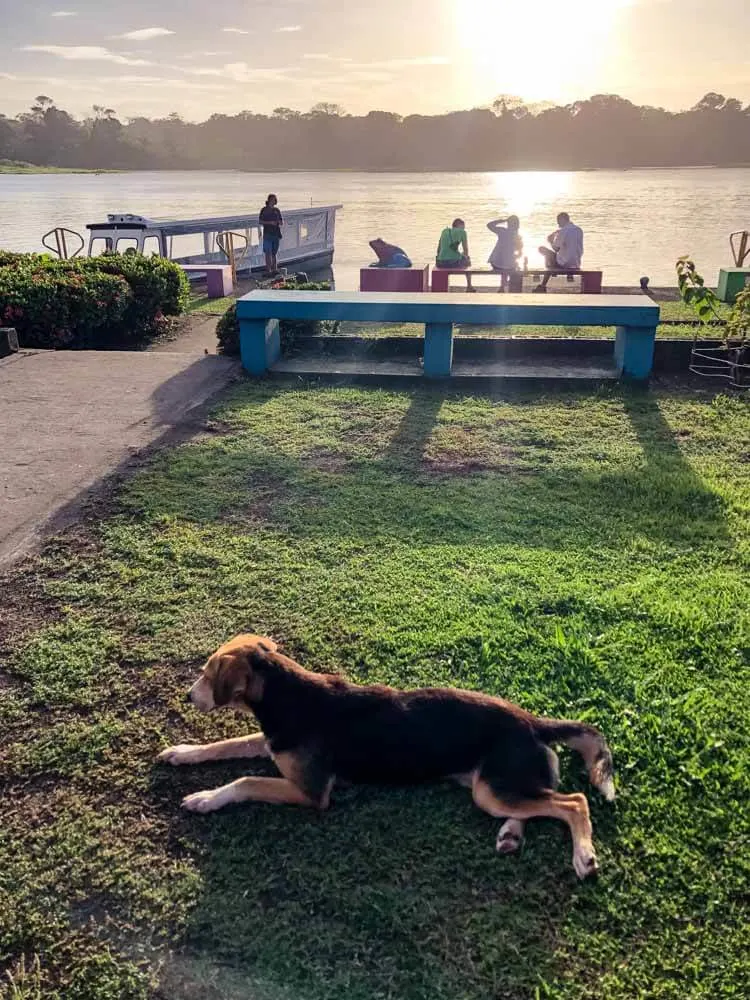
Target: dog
column 319, row 728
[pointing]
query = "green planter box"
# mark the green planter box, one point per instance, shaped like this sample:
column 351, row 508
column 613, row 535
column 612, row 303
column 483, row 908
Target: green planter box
column 732, row 280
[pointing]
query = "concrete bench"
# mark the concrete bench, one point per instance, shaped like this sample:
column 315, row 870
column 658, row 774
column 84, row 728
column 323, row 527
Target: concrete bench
column 218, row 278
column 634, row 316
column 591, row 281
column 394, row 279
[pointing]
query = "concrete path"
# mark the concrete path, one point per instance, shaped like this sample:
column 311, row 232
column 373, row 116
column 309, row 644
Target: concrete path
column 198, row 336
column 69, row 418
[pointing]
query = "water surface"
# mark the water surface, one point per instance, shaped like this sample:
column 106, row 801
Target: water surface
column 637, row 222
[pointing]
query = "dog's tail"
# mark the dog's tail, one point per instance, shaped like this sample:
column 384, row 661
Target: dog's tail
column 589, row 742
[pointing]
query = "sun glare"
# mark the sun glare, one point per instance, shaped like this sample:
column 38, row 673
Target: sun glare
column 541, row 50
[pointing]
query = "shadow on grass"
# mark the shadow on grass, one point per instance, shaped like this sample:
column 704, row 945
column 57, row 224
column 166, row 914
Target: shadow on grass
column 392, row 893
column 534, row 494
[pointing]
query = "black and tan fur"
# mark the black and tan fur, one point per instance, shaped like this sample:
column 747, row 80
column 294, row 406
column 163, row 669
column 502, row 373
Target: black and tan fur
column 319, row 728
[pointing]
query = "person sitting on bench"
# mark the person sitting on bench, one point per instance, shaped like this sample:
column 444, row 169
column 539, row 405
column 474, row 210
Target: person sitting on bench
column 453, row 250
column 508, row 249
column 388, row 254
column 566, row 251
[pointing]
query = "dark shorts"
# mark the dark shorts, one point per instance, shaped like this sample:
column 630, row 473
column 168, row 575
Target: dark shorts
column 271, row 243
column 455, row 265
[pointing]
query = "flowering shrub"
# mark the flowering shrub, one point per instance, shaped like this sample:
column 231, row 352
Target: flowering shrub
column 113, row 301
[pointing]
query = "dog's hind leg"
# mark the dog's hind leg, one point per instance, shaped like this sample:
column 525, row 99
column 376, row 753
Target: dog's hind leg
column 240, row 746
column 571, row 809
column 589, row 743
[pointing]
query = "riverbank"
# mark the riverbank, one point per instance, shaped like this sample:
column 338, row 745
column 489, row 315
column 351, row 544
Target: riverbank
column 19, row 167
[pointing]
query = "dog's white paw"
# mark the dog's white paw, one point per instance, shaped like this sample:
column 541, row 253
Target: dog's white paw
column 203, row 802
column 584, row 861
column 509, row 837
column 182, row 754
column 607, row 789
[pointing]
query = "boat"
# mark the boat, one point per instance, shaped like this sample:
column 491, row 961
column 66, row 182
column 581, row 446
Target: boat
column 308, row 241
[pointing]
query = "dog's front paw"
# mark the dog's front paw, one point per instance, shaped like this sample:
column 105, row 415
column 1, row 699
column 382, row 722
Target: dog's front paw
column 182, row 754
column 510, row 837
column 584, row 861
column 202, row 802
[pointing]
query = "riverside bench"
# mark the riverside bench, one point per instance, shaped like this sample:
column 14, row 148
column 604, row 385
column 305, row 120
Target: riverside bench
column 591, row 281
column 635, row 317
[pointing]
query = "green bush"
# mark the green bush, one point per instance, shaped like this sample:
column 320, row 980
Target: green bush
column 53, row 309
column 228, row 327
column 116, row 300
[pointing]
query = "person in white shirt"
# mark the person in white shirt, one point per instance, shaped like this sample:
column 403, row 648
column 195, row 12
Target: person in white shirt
column 565, row 249
column 508, row 247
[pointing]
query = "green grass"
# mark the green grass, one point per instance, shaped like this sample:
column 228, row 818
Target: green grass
column 417, row 330
column 202, row 304
column 679, row 310
column 583, row 553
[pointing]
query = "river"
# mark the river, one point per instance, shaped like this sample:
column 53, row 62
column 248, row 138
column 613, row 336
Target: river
column 637, row 222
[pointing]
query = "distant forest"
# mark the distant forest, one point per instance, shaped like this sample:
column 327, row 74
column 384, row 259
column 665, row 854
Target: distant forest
column 603, row 131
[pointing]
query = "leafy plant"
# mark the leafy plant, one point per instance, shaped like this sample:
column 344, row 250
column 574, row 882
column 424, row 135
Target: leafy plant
column 55, row 309
column 694, row 292
column 228, row 327
column 730, row 360
column 117, row 300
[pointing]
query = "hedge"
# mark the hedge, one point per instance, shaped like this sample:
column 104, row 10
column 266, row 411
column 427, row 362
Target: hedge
column 228, row 327
column 112, row 301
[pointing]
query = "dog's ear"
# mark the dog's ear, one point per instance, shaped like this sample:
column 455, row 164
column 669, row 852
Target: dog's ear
column 231, row 678
column 236, row 680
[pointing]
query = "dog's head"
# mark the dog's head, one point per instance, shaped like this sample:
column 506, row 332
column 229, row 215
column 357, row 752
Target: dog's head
column 228, row 678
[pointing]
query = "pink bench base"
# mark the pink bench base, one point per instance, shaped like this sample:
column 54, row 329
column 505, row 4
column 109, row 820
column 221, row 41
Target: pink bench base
column 218, row 278
column 394, row 279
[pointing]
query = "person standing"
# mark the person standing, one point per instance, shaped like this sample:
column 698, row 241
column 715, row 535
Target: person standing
column 453, row 250
column 565, row 249
column 272, row 220
column 507, row 249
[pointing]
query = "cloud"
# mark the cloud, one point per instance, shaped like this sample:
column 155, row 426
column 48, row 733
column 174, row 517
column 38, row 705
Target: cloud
column 235, row 31
column 415, row 61
column 240, row 72
column 90, row 83
column 346, row 61
column 64, row 13
column 144, row 34
column 85, row 53
column 290, row 28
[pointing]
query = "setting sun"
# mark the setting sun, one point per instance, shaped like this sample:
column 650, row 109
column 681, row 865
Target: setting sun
column 541, row 50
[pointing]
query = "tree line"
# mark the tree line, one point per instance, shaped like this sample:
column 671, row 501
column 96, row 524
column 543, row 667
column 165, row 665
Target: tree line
column 603, row 131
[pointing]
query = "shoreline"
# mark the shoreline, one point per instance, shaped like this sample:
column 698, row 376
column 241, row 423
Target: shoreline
column 18, row 167
column 9, row 167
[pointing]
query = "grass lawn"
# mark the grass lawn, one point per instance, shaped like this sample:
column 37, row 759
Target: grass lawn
column 417, row 330
column 202, row 304
column 583, row 553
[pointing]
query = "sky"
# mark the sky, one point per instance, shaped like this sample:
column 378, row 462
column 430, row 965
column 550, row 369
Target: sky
column 408, row 56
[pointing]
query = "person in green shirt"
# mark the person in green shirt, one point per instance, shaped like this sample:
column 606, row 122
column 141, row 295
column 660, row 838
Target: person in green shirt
column 453, row 250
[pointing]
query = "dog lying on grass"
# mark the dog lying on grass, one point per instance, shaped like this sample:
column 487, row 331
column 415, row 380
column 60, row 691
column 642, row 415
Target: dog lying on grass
column 319, row 728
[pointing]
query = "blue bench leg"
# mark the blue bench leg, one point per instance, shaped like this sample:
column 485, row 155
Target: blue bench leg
column 260, row 344
column 438, row 349
column 634, row 351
